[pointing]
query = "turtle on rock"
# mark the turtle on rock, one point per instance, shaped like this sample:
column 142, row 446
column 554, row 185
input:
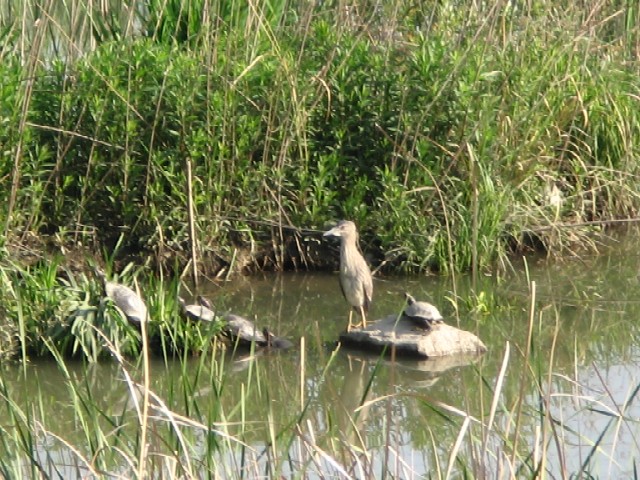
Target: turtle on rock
column 128, row 301
column 242, row 332
column 423, row 315
column 201, row 311
column 275, row 342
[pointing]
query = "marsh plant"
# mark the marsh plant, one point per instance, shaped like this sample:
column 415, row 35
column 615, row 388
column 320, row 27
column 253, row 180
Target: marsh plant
column 183, row 407
column 51, row 310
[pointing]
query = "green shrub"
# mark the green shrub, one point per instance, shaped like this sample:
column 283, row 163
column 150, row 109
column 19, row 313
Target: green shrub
column 451, row 136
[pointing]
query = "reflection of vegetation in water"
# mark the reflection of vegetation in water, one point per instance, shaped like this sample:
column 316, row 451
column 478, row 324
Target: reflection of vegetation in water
column 449, row 134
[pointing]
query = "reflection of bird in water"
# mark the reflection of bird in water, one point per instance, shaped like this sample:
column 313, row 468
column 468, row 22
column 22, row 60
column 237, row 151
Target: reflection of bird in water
column 422, row 314
column 200, row 312
column 356, row 281
column 351, row 409
column 128, row 301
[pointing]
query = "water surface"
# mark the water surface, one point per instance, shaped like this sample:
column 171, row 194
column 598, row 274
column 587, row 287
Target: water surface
column 404, row 416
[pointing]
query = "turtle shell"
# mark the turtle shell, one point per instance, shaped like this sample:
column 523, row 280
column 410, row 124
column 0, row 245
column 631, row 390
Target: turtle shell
column 243, row 331
column 422, row 314
column 197, row 312
column 128, row 301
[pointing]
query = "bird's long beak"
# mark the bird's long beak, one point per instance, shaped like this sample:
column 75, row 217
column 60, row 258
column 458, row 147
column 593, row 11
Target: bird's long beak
column 331, row 233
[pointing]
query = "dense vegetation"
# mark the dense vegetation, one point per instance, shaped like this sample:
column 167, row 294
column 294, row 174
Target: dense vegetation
column 450, row 134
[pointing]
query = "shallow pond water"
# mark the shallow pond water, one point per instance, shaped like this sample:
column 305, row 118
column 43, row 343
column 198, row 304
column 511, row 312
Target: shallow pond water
column 573, row 402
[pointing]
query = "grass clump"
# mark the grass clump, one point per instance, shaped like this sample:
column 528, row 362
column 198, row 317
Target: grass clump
column 51, row 310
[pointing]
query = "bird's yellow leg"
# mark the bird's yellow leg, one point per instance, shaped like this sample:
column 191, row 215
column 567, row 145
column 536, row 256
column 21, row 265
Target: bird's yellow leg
column 350, row 315
column 363, row 323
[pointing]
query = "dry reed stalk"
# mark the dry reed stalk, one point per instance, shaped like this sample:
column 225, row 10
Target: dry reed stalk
column 192, row 227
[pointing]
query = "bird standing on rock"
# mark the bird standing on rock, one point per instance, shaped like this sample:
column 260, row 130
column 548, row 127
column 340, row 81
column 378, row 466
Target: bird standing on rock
column 356, row 280
column 128, row 301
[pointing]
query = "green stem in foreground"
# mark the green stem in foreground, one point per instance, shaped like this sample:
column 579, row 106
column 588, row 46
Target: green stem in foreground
column 527, row 354
column 142, row 459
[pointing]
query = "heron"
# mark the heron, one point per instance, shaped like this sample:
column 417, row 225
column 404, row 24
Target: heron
column 422, row 314
column 128, row 301
column 356, row 280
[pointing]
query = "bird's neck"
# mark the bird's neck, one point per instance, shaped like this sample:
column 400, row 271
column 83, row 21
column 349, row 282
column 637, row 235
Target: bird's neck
column 349, row 251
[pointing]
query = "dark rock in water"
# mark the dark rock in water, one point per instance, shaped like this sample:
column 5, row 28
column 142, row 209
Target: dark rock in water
column 401, row 333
